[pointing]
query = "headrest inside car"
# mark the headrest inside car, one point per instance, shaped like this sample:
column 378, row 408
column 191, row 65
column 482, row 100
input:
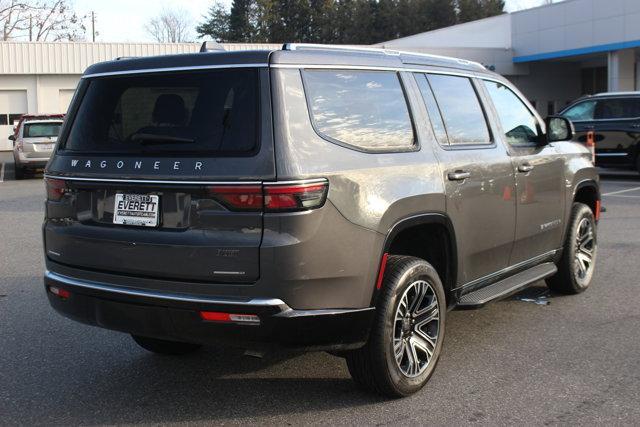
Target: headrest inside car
column 169, row 109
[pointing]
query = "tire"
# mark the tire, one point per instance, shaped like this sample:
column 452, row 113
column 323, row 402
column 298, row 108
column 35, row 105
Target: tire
column 574, row 275
column 171, row 348
column 374, row 367
column 18, row 172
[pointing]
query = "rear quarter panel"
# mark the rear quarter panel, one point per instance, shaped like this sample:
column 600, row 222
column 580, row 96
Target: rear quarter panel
column 370, row 192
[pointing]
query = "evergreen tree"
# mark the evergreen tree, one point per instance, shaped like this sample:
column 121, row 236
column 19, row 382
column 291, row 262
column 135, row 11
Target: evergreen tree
column 471, row 10
column 241, row 27
column 216, row 25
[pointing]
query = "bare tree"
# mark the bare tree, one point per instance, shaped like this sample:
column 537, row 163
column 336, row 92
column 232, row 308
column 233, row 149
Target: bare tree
column 171, row 26
column 44, row 20
column 13, row 18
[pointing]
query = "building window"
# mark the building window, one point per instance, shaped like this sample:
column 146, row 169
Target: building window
column 14, row 118
column 551, row 108
column 3, row 119
column 594, row 80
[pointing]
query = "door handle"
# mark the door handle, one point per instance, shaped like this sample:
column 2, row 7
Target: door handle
column 525, row 167
column 458, row 175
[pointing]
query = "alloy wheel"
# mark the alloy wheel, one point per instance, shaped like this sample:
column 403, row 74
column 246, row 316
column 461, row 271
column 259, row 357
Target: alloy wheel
column 416, row 327
column 585, row 246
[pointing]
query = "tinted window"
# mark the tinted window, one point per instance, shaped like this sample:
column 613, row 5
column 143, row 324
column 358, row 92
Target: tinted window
column 617, row 108
column 213, row 112
column 432, row 107
column 34, row 130
column 366, row 109
column 583, row 111
column 519, row 124
column 461, row 110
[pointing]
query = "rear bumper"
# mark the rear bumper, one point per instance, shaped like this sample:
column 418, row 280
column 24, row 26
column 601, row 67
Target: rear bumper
column 176, row 317
column 31, row 162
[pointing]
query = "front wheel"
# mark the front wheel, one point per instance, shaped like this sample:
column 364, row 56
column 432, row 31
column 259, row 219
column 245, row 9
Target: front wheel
column 575, row 269
column 407, row 333
column 172, row 348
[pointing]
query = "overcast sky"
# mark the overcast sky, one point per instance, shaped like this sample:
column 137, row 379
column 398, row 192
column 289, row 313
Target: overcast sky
column 124, row 20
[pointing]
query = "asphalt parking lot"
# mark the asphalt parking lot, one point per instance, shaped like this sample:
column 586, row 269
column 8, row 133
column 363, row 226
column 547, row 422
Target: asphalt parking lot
column 575, row 360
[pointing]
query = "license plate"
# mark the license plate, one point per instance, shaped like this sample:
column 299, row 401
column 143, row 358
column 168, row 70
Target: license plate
column 44, row 147
column 136, row 209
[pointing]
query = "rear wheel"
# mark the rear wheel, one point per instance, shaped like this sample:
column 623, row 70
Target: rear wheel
column 159, row 346
column 407, row 332
column 575, row 269
column 18, row 172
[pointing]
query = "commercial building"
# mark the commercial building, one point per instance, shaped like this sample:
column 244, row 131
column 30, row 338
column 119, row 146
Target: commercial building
column 553, row 53
column 40, row 78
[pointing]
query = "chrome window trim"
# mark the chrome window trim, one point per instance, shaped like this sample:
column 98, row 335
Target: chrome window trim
column 169, row 69
column 98, row 286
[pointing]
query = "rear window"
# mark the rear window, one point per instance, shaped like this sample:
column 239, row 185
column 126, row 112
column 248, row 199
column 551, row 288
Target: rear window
column 213, row 112
column 35, row 130
column 364, row 109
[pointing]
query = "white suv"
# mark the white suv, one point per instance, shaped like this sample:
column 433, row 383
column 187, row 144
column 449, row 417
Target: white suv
column 33, row 144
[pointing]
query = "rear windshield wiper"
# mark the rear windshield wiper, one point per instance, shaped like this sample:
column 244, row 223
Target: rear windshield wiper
column 149, row 138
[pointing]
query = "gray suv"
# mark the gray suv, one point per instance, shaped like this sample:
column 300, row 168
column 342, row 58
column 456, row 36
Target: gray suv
column 311, row 197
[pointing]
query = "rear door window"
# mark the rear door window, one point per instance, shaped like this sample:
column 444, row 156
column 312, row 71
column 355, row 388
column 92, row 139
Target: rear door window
column 462, row 112
column 617, row 108
column 212, row 112
column 364, row 109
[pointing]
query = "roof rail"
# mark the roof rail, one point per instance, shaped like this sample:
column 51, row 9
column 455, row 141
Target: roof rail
column 379, row 50
column 211, row 46
column 315, row 46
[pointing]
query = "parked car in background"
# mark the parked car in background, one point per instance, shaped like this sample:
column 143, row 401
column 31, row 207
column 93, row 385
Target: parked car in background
column 33, row 142
column 313, row 197
column 614, row 119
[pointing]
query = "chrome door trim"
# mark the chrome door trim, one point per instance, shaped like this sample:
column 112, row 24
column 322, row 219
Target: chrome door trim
column 505, row 271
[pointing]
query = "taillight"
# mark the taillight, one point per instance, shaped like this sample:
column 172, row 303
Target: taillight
column 591, row 145
column 62, row 293
column 55, row 188
column 273, row 197
column 217, row 316
column 239, row 197
column 297, row 197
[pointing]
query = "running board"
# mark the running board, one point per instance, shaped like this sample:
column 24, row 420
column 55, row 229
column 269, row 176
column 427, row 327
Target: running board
column 506, row 287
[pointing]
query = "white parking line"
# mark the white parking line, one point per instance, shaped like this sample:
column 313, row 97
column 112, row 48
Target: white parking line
column 2, row 172
column 625, row 196
column 621, row 191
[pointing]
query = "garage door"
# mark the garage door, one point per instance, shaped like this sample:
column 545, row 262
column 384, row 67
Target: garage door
column 65, row 99
column 13, row 103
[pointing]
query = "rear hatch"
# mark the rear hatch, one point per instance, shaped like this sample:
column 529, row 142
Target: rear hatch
column 159, row 175
column 38, row 138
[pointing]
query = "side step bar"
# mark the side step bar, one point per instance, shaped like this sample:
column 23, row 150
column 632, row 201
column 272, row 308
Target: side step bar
column 506, row 287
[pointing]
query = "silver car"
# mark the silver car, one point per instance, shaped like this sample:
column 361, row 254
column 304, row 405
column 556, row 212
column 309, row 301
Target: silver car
column 33, row 144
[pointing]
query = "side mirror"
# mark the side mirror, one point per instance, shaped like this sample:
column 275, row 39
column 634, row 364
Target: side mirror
column 12, row 137
column 559, row 129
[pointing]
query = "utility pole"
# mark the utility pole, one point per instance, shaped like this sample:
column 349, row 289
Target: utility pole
column 30, row 28
column 93, row 26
